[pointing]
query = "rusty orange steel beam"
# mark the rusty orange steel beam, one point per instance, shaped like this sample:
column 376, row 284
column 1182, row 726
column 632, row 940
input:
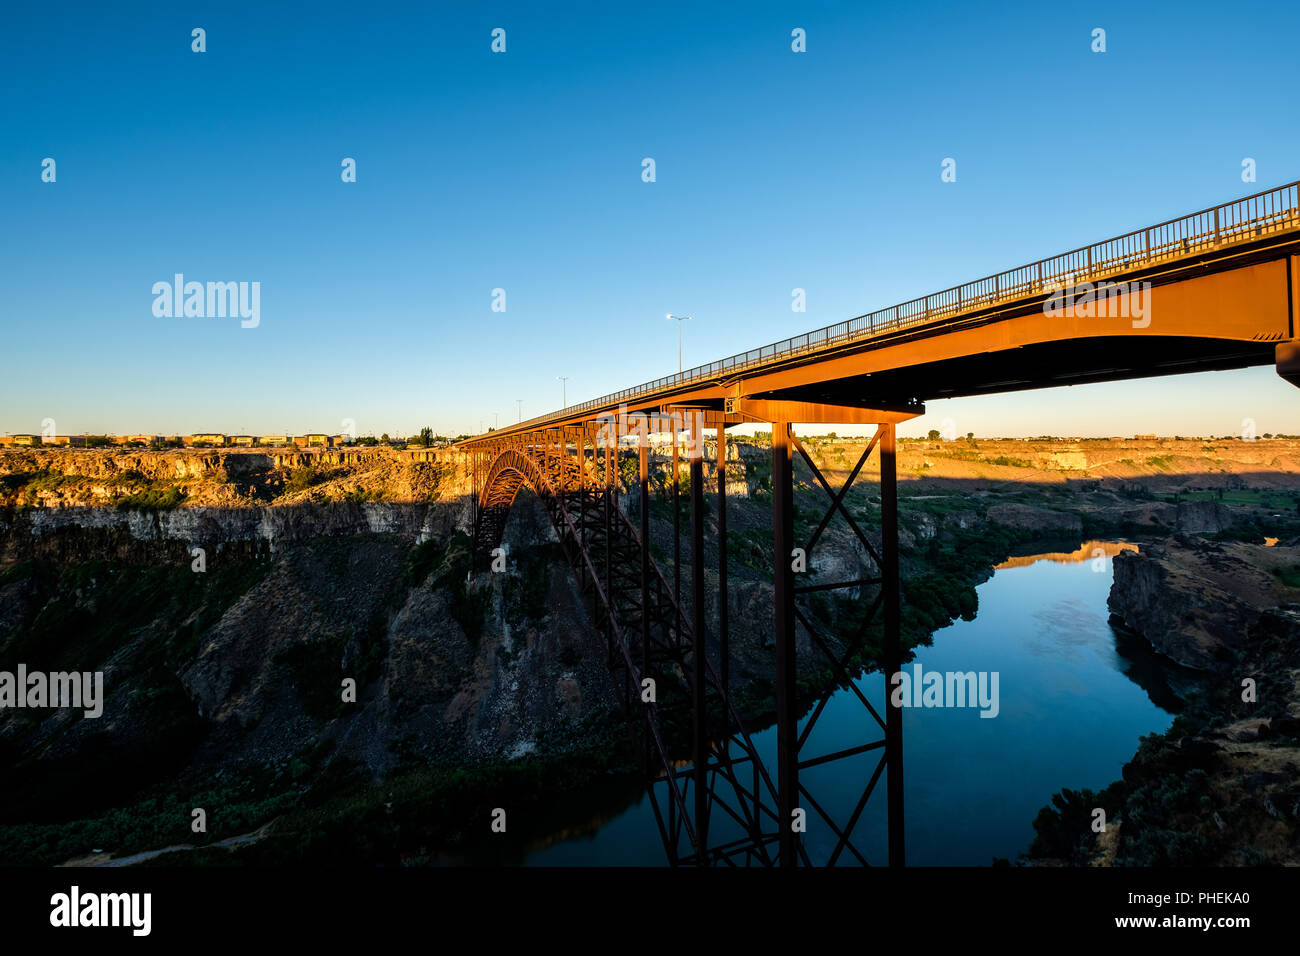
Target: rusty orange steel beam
column 1259, row 235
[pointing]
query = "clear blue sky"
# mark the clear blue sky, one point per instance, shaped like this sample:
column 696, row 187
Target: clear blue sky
column 522, row 171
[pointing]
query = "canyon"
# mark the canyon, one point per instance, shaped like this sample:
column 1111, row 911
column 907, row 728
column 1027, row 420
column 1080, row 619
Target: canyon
column 222, row 685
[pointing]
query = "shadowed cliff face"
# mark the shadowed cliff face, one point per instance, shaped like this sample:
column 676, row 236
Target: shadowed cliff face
column 241, row 667
column 1222, row 788
column 1196, row 600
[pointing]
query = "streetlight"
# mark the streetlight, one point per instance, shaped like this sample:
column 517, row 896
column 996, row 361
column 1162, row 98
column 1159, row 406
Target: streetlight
column 564, row 390
column 519, row 403
column 680, row 319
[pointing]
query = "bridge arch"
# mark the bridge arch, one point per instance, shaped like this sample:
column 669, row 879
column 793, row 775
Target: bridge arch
column 512, row 469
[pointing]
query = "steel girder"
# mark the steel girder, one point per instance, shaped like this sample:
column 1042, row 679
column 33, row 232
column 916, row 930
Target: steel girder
column 649, row 633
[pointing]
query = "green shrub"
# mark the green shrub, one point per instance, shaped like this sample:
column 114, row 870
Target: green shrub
column 153, row 499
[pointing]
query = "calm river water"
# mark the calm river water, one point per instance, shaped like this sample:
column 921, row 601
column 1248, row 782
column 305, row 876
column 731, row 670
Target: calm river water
column 1074, row 696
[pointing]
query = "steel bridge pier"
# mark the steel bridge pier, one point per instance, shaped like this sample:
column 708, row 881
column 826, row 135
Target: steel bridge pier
column 717, row 796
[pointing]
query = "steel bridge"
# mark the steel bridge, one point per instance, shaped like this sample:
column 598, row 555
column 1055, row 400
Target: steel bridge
column 1216, row 289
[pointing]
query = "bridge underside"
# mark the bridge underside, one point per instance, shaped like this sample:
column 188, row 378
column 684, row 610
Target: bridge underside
column 1041, row 365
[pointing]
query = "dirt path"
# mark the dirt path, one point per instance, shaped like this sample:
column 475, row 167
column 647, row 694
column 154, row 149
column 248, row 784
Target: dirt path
column 107, row 859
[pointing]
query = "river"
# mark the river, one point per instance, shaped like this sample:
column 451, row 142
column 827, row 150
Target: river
column 1074, row 697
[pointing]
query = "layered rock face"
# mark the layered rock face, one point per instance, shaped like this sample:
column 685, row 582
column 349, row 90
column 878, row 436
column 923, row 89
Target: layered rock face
column 243, row 664
column 1039, row 520
column 1202, row 517
column 231, row 478
column 1225, row 789
column 80, row 533
column 1227, row 794
column 1196, row 600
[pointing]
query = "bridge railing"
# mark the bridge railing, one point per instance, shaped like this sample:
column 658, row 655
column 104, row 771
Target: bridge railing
column 1242, row 220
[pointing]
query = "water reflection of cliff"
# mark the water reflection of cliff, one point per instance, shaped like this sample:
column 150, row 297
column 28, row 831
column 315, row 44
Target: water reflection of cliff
column 1085, row 552
column 1166, row 683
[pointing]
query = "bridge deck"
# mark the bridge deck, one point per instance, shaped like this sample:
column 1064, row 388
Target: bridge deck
column 1254, row 231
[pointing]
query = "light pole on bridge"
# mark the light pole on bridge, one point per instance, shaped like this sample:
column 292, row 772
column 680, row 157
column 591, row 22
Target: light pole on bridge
column 564, row 390
column 519, row 407
column 680, row 319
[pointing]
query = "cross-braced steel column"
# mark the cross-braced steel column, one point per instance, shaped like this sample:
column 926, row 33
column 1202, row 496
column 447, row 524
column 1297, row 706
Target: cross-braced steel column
column 893, row 653
column 609, row 529
column 677, row 525
column 699, row 649
column 724, row 650
column 643, row 506
column 580, row 487
column 787, row 727
column 631, row 594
